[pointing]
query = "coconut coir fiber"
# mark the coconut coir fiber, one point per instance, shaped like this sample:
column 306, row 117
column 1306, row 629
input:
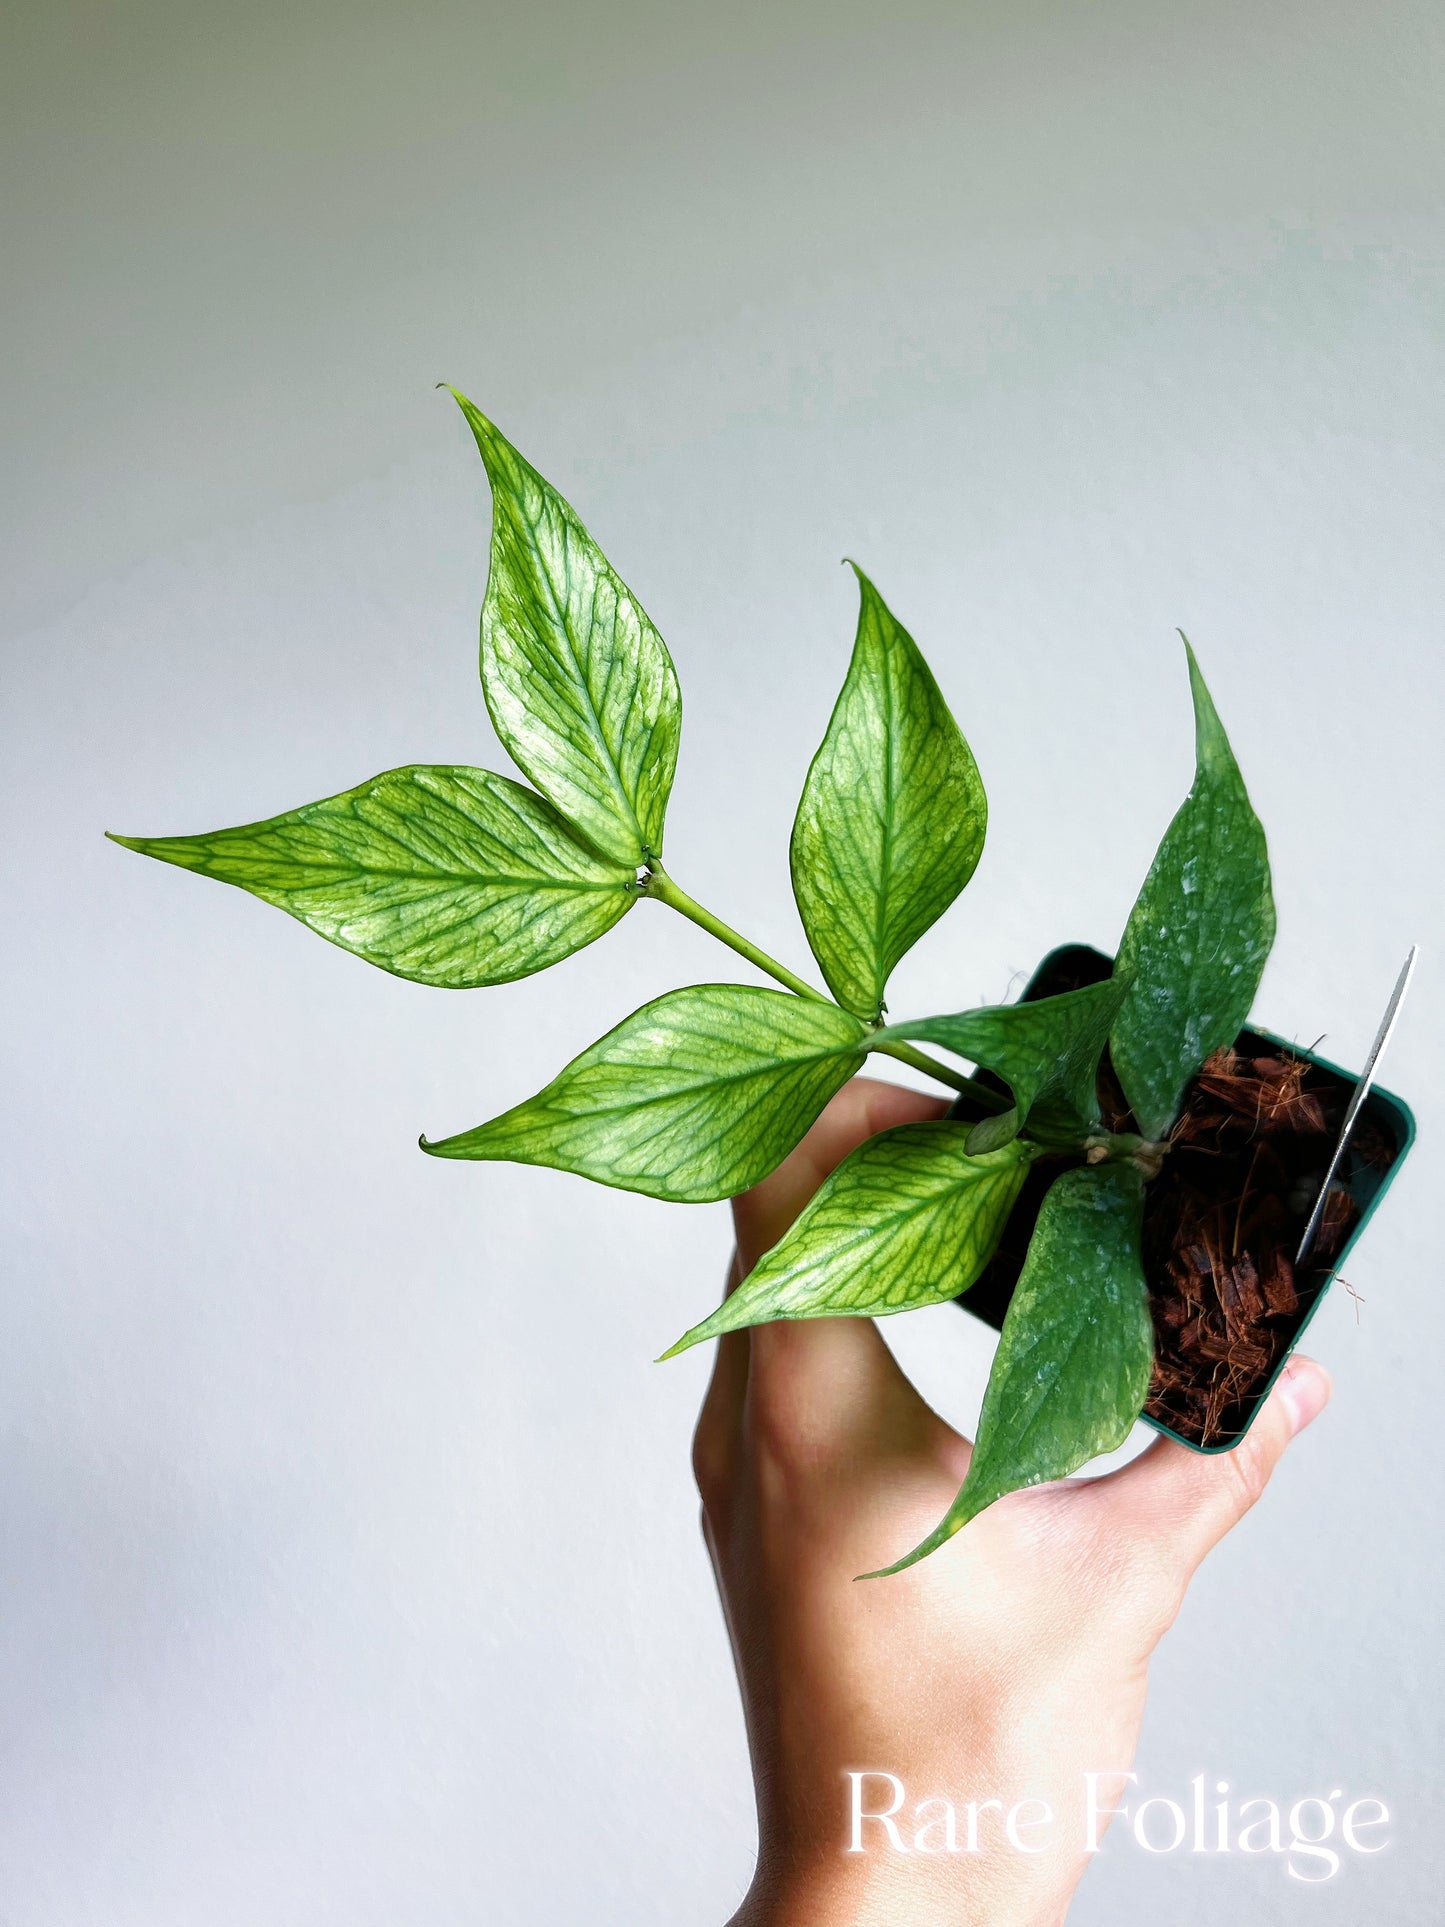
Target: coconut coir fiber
column 1222, row 1224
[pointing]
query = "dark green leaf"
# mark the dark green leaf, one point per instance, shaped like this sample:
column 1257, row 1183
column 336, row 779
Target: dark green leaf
column 579, row 684
column 695, row 1096
column 446, row 876
column 908, row 1219
column 1197, row 939
column 1047, row 1052
column 1072, row 1368
column 891, row 823
column 992, row 1133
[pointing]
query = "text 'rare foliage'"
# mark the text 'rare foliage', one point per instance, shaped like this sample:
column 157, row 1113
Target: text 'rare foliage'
column 462, row 877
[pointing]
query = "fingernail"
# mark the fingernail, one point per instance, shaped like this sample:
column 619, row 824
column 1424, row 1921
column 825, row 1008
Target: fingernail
column 1304, row 1391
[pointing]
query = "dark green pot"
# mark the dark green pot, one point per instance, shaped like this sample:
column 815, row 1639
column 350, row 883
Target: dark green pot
column 1074, row 965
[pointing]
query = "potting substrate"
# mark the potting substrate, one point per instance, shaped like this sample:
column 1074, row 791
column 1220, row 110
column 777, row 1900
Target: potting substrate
column 1224, row 1218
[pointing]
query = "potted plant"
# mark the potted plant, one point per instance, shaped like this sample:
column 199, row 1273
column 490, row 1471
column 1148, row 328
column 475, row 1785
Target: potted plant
column 1124, row 1170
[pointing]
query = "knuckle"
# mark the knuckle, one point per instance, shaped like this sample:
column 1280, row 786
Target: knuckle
column 791, row 1435
column 1245, row 1472
column 711, row 1465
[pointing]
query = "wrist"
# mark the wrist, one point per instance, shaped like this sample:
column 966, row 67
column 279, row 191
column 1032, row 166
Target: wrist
column 868, row 1892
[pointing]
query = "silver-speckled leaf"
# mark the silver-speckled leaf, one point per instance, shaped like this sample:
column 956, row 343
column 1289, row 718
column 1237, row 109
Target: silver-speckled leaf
column 1047, row 1052
column 579, row 684
column 892, row 818
column 447, row 876
column 1071, row 1372
column 696, row 1096
column 1196, row 942
column 908, row 1219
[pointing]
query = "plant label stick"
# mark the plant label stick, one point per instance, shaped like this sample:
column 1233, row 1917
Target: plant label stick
column 1361, row 1092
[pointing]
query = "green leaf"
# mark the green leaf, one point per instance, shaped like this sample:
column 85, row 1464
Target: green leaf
column 447, row 876
column 1072, row 1368
column 908, row 1219
column 992, row 1133
column 696, row 1096
column 579, row 684
column 1047, row 1052
column 891, row 822
column 1196, row 941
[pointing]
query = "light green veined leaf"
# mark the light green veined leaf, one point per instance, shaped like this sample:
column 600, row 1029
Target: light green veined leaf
column 1197, row 938
column 579, row 684
column 907, row 1219
column 891, row 822
column 696, row 1096
column 447, row 876
column 1072, row 1368
column 1046, row 1051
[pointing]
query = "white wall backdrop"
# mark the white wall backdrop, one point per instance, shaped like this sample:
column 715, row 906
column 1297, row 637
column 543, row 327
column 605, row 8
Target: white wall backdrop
column 350, row 1566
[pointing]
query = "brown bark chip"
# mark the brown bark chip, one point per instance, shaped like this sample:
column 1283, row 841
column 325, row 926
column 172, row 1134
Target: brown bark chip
column 1221, row 1227
column 1222, row 1219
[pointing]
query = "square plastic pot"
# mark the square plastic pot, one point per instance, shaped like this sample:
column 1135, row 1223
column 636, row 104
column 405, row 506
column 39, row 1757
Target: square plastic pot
column 1072, row 966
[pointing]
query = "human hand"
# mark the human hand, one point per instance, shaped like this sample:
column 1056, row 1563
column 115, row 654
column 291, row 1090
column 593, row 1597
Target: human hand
column 1008, row 1666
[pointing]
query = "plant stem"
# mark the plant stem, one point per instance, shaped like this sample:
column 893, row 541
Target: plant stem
column 660, row 885
column 921, row 1061
column 1119, row 1147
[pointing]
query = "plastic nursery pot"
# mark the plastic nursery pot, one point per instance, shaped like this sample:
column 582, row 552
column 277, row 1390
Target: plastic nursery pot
column 1213, row 1377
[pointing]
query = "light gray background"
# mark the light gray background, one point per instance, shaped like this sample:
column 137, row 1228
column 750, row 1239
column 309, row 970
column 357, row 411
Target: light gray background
column 349, row 1553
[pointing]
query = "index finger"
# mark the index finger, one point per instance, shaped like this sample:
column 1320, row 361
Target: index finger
column 864, row 1107
column 860, row 1110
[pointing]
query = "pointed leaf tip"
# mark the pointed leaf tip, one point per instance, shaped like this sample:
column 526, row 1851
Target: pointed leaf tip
column 1072, row 1368
column 947, row 1528
column 1211, row 745
column 1200, row 931
column 909, row 1559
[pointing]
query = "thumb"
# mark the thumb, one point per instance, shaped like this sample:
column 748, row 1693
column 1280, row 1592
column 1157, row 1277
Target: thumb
column 1192, row 1499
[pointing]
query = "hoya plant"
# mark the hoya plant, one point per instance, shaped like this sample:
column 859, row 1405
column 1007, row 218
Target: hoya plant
column 461, row 877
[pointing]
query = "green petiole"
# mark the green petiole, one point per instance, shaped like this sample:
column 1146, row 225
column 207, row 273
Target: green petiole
column 659, row 885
